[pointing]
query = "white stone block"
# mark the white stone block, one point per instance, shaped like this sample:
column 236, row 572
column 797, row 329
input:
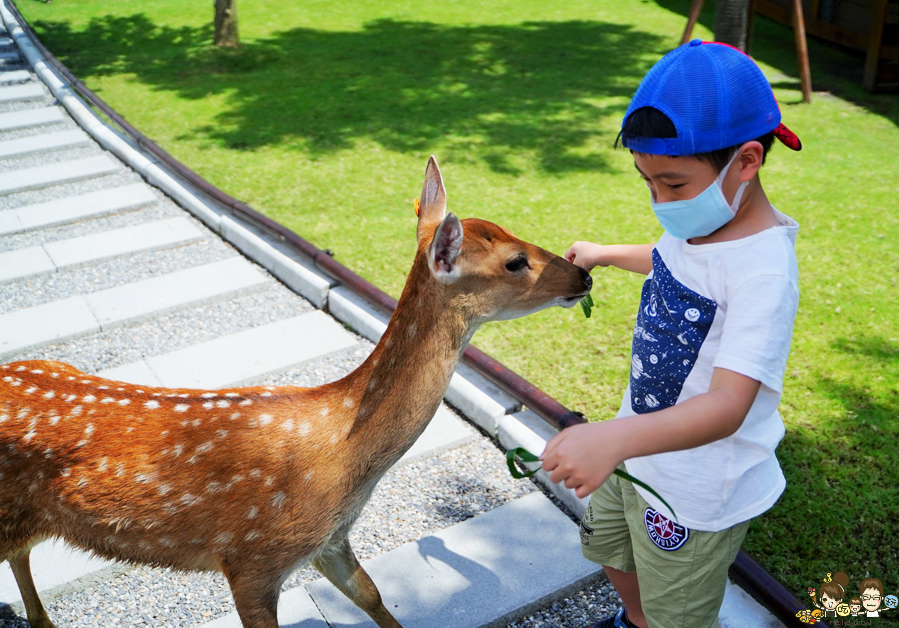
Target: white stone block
column 30, row 117
column 25, row 262
column 55, row 174
column 16, row 93
column 41, row 325
column 39, row 143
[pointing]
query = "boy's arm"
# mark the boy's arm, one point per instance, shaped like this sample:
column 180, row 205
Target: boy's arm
column 583, row 456
column 636, row 258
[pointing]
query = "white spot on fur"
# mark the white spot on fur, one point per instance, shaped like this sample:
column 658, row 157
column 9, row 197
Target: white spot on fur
column 266, row 394
column 89, row 429
column 235, row 415
column 76, row 411
column 209, row 395
column 89, row 399
column 245, row 402
column 145, row 478
column 209, row 405
column 82, row 481
column 183, row 395
column 108, row 400
column 265, row 419
column 103, row 387
column 221, row 433
column 120, row 470
column 269, row 481
column 278, row 500
column 205, row 447
column 37, row 371
column 189, row 500
column 303, row 428
column 27, row 438
column 20, row 368
column 103, row 465
column 66, row 472
column 71, row 398
column 177, row 449
column 324, row 412
column 347, row 402
column 28, row 391
column 53, row 419
column 410, row 331
column 287, row 425
column 163, row 489
column 166, row 541
column 151, row 405
column 49, row 395
column 252, row 536
column 181, row 407
column 224, row 537
column 309, row 475
column 334, row 438
column 251, row 514
column 4, row 418
column 222, row 403
column 23, row 413
column 232, row 394
column 123, row 402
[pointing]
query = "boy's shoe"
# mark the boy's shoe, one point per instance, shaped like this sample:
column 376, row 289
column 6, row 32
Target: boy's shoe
column 618, row 620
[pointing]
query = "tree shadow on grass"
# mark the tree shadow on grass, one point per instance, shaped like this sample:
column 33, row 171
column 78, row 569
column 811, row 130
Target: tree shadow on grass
column 835, row 69
column 541, row 89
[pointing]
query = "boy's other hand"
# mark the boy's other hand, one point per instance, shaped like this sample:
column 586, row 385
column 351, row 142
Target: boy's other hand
column 583, row 456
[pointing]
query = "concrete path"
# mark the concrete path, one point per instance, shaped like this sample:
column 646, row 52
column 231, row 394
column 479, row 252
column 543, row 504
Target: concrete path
column 91, row 255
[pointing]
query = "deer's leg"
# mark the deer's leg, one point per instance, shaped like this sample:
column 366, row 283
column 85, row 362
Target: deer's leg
column 339, row 565
column 255, row 596
column 34, row 610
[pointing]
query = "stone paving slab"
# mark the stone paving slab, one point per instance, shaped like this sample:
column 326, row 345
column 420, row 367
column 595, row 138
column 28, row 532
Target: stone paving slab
column 485, row 571
column 74, row 208
column 46, row 142
column 16, row 76
column 139, row 238
column 54, row 256
column 25, row 263
column 10, row 56
column 16, row 93
column 445, row 431
column 42, row 324
column 157, row 295
column 5, row 42
column 29, row 117
column 54, row 174
column 242, row 358
column 52, row 564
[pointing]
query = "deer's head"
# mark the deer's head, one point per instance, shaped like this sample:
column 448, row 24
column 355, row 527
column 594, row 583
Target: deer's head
column 480, row 267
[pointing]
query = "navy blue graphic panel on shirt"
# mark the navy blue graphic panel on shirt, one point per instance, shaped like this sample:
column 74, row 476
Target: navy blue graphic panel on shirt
column 672, row 324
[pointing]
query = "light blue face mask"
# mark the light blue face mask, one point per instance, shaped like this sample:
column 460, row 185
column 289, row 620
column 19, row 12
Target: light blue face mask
column 699, row 216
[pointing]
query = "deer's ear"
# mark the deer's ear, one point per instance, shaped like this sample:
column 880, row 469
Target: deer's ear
column 445, row 248
column 433, row 199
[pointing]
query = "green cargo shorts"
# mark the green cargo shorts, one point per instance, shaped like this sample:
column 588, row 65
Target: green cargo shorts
column 682, row 573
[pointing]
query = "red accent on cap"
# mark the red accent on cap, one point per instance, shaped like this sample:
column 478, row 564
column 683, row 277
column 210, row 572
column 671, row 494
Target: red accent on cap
column 786, row 136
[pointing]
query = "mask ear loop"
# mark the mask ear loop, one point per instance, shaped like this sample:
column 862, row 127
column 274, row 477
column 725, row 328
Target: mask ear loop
column 719, row 181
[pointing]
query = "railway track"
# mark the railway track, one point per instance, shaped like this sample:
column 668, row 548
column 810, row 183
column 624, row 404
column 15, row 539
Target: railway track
column 103, row 270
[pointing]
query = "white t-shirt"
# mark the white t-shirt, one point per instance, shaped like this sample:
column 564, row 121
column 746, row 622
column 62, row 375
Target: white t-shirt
column 724, row 305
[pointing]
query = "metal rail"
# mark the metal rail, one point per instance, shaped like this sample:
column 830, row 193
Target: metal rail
column 746, row 572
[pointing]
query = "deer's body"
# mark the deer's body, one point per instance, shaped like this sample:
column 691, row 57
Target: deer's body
column 251, row 481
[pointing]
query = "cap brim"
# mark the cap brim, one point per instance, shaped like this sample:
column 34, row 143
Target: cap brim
column 785, row 135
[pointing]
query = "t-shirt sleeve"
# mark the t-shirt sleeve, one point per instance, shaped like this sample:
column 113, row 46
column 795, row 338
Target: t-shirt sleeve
column 758, row 327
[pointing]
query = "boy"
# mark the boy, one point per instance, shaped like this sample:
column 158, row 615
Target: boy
column 699, row 419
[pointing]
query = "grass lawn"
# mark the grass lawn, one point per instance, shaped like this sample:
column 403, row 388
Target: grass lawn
column 326, row 115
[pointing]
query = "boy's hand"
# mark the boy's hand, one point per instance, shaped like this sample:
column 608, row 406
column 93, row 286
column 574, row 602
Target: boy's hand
column 587, row 255
column 583, row 456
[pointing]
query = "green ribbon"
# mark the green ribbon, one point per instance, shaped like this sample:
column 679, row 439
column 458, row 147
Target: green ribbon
column 522, row 455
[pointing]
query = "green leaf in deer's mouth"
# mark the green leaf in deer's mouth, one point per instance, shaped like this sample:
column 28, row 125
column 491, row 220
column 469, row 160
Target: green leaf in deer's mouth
column 587, row 305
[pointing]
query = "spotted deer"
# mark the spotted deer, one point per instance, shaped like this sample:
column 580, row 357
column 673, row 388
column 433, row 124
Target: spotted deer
column 254, row 482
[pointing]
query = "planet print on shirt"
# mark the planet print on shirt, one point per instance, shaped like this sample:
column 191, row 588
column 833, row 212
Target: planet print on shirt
column 672, row 323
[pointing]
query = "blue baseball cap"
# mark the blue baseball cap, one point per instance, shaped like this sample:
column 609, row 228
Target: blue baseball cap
column 715, row 95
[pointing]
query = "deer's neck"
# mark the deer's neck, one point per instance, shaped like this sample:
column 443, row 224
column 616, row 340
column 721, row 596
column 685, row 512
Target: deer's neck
column 396, row 392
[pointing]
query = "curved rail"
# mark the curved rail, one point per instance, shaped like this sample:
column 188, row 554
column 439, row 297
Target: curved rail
column 746, row 572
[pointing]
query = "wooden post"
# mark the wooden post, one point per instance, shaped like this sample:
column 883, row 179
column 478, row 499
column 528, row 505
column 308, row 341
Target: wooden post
column 805, row 74
column 695, row 8
column 752, row 8
column 875, row 43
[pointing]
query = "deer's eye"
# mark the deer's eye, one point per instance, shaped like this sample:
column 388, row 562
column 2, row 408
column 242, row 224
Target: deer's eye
column 516, row 264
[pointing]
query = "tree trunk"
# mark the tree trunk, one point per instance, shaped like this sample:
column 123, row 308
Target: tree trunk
column 226, row 24
column 732, row 23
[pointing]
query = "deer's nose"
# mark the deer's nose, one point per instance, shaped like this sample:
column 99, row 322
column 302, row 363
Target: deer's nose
column 586, row 277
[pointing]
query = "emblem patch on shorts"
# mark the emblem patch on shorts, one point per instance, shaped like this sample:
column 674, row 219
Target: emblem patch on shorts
column 662, row 531
column 586, row 533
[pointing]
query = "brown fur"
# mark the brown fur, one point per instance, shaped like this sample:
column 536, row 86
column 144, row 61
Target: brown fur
column 252, row 481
